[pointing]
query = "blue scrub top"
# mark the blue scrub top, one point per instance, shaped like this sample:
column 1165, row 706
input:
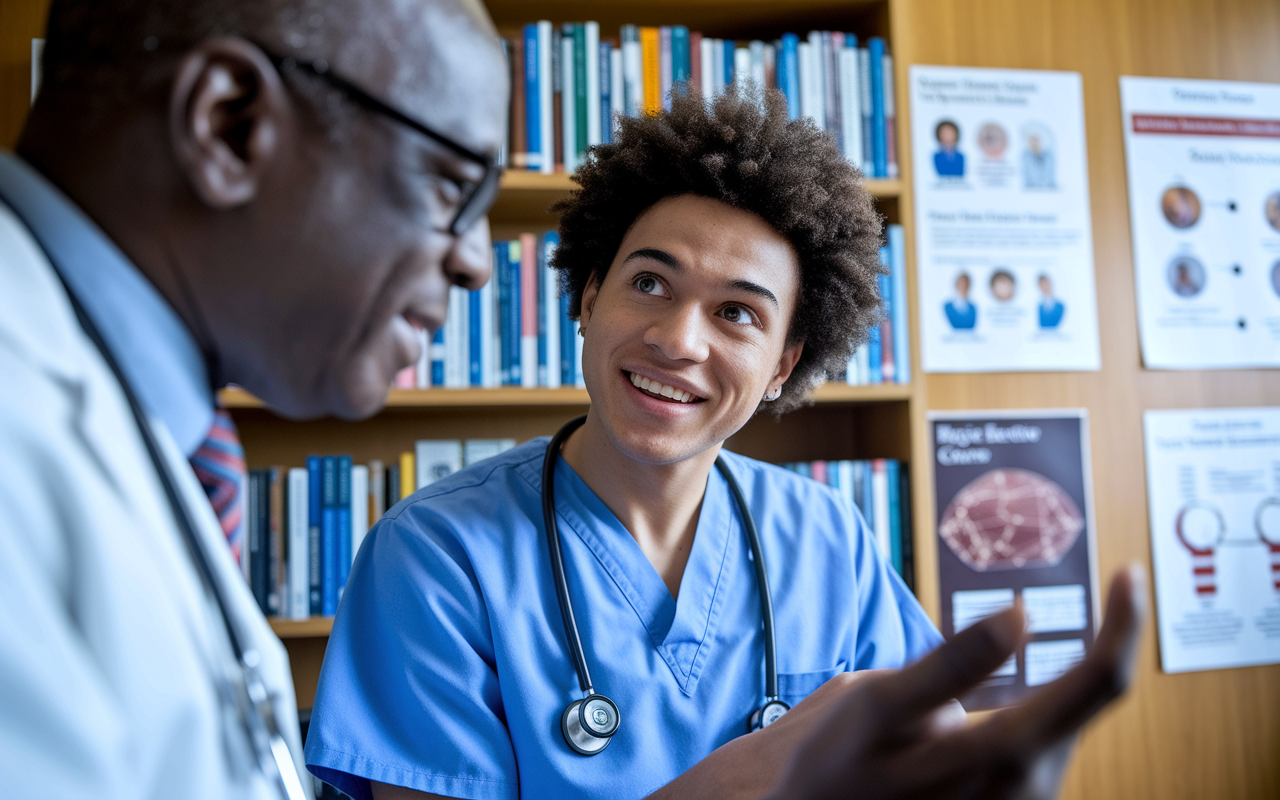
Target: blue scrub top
column 447, row 669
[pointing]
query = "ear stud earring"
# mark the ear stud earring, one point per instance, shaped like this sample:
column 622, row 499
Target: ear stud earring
column 773, row 394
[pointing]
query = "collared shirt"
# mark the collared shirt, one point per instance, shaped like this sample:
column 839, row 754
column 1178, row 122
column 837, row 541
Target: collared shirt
column 447, row 669
column 155, row 350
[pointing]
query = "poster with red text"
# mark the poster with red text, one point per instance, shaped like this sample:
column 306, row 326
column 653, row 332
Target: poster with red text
column 1015, row 521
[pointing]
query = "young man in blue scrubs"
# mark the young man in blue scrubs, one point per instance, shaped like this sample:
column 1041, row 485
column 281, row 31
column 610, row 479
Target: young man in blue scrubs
column 721, row 260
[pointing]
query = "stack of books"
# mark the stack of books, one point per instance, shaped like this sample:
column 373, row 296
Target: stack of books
column 570, row 87
column 886, row 355
column 881, row 489
column 305, row 525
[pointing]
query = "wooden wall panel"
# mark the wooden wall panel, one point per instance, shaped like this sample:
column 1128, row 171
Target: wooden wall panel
column 1200, row 735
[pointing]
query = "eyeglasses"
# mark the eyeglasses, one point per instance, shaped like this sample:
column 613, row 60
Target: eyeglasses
column 476, row 196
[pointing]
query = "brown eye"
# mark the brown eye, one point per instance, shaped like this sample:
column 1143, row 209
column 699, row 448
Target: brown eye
column 737, row 315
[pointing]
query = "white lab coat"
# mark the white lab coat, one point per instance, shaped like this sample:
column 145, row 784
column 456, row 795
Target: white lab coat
column 113, row 657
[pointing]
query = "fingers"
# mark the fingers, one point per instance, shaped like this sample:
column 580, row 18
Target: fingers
column 951, row 670
column 1062, row 707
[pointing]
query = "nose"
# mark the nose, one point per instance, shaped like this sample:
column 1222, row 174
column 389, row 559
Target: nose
column 466, row 263
column 681, row 334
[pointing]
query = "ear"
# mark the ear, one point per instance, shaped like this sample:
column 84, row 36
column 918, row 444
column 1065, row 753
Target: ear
column 589, row 294
column 786, row 363
column 228, row 111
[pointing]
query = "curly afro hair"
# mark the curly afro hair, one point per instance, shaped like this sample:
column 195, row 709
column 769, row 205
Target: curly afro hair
column 743, row 152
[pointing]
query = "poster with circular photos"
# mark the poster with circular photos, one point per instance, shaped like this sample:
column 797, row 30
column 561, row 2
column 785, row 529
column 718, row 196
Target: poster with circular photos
column 1004, row 238
column 1203, row 161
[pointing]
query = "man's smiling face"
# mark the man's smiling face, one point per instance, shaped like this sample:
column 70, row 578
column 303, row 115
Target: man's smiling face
column 688, row 330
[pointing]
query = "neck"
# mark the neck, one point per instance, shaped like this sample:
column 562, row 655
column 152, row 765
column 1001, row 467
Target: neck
column 658, row 504
column 112, row 172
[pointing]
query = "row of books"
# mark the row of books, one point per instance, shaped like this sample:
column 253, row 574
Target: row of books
column 305, row 525
column 881, row 489
column 516, row 330
column 886, row 355
column 569, row 87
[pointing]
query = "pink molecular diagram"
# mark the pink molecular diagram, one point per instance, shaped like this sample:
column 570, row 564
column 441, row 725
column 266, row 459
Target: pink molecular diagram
column 1011, row 518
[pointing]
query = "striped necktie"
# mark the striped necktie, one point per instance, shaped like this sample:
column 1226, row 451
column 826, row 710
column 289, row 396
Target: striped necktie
column 219, row 464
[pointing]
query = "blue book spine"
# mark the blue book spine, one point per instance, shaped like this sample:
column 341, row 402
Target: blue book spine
column 314, row 505
column 568, row 354
column 344, row 521
column 544, row 348
column 887, row 351
column 511, row 322
column 878, row 153
column 502, row 275
column 789, row 73
column 895, row 516
column 532, row 99
column 680, row 66
column 875, row 374
column 898, row 263
column 437, row 358
column 329, row 536
column 606, row 98
column 728, row 62
column 868, row 499
column 473, row 335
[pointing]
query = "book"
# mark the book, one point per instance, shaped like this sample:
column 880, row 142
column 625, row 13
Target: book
column 789, row 73
column 277, row 586
column 475, row 339
column 436, row 459
column 880, row 501
column 592, row 86
column 528, row 310
column 359, row 510
column 706, row 68
column 887, row 366
column 532, row 119
column 650, row 50
column 898, row 265
column 695, row 62
column 633, row 101
column 476, row 450
column 895, row 514
column 616, row 93
column 864, row 100
column 408, row 475
column 257, row 540
column 393, row 485
column 343, row 527
column 329, row 536
column 315, row 507
column 890, row 118
column 377, row 489
column 557, row 103
column 548, row 314
column 665, row 69
column 568, row 101
column 606, row 92
column 519, row 158
column 879, row 156
column 299, row 605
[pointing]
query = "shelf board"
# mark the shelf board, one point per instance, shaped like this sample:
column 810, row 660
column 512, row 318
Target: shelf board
column 310, row 627
column 513, row 397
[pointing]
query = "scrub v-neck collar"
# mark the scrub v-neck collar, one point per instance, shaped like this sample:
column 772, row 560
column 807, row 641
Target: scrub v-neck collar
column 682, row 630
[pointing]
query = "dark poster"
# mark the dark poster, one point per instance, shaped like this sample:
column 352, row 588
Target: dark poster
column 1015, row 519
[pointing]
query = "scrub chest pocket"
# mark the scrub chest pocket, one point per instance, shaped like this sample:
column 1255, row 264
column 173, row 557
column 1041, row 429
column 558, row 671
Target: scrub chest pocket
column 796, row 686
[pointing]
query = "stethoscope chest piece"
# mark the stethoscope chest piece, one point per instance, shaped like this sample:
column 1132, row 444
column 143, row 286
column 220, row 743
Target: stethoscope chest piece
column 767, row 714
column 589, row 724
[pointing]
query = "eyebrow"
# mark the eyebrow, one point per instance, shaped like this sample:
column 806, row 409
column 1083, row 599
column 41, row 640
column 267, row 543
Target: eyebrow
column 671, row 262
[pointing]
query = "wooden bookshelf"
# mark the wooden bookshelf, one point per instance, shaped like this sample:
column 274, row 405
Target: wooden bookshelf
column 301, row 628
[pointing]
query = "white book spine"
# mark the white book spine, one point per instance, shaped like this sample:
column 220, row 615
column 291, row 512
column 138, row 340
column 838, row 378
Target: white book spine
column 846, row 480
column 594, row 135
column 803, row 52
column 422, row 371
column 632, row 73
column 880, row 496
column 851, row 111
column 299, row 602
column 757, row 64
column 864, row 100
column 705, row 50
column 817, row 69
column 717, row 66
column 864, row 364
column 741, row 67
column 545, row 96
column 551, row 313
column 616, row 97
column 435, row 459
column 568, row 113
column 770, row 67
column 457, row 365
column 359, row 506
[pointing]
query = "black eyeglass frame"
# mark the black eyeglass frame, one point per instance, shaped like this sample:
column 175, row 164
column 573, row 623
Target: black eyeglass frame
column 475, row 203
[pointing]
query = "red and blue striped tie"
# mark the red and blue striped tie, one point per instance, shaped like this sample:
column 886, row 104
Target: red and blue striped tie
column 219, row 464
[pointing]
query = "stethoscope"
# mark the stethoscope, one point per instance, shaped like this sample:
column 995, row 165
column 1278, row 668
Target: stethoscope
column 252, row 699
column 590, row 723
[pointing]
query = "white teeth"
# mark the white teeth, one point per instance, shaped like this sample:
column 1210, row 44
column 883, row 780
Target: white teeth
column 654, row 387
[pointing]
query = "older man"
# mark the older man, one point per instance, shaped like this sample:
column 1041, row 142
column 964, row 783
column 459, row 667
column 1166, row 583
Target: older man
column 277, row 193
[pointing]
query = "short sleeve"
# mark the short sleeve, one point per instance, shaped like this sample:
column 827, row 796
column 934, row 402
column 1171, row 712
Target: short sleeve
column 893, row 628
column 408, row 693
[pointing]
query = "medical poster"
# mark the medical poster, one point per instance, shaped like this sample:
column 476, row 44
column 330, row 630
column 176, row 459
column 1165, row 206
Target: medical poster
column 1015, row 519
column 1213, row 490
column 1204, row 206
column 1004, row 238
